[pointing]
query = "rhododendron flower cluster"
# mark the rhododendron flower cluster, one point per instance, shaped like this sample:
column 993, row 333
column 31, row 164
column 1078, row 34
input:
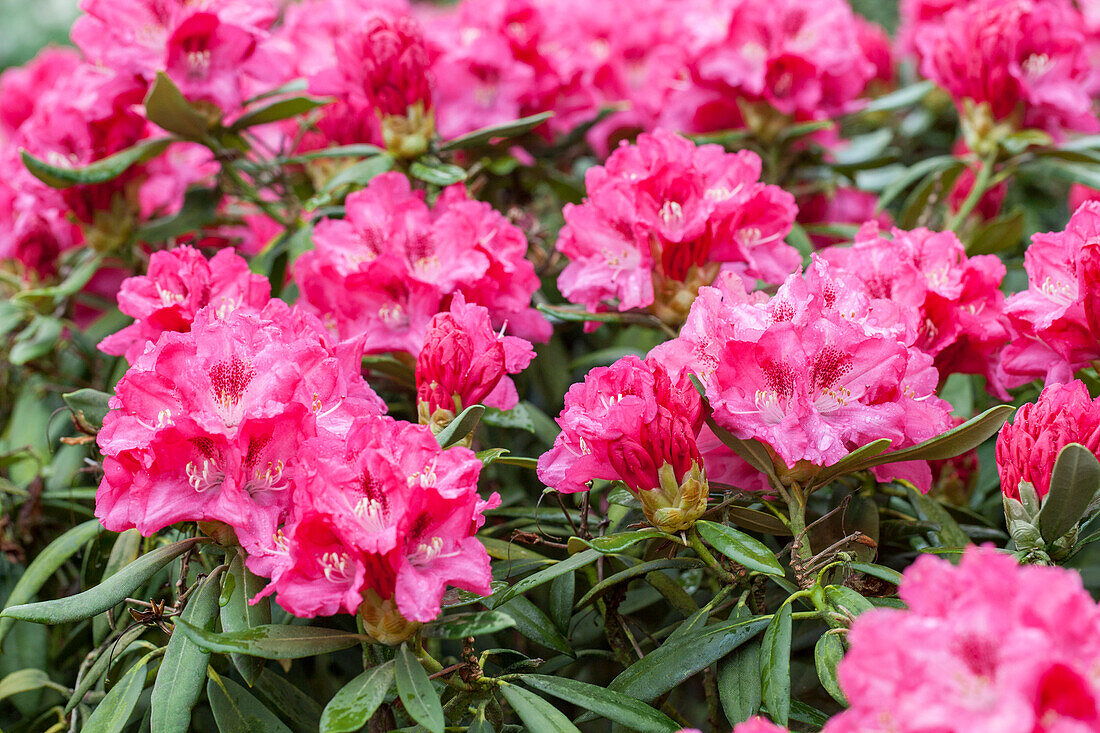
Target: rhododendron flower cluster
column 956, row 299
column 1020, row 61
column 987, row 645
column 1056, row 321
column 1027, row 447
column 814, row 372
column 663, row 217
column 633, row 422
column 391, row 265
column 464, row 363
column 178, row 284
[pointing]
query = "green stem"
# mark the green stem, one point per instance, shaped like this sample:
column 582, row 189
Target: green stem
column 796, row 505
column 705, row 555
column 982, row 181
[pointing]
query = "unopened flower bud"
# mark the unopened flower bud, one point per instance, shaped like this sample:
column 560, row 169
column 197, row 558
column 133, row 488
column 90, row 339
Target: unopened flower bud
column 676, row 503
column 383, row 622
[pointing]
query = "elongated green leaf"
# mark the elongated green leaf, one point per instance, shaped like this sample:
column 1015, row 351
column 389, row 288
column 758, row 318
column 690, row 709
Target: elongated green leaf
column 300, row 710
column 775, row 666
column 46, row 564
column 534, row 624
column 36, row 340
column 107, row 657
column 1074, row 482
column 740, row 547
column 851, row 461
column 935, row 165
column 951, row 534
column 281, row 110
column 200, row 207
column 237, row 711
column 126, row 549
column 237, row 614
column 91, row 403
column 358, row 150
column 562, row 590
column 416, row 692
column 615, row 543
column 111, row 591
column 437, row 172
column 114, row 710
column 25, row 680
column 545, row 576
column 166, row 106
column 827, row 655
column 483, row 136
column 739, row 683
column 100, row 171
column 878, row 571
column 464, row 423
column 633, row 572
column 183, row 669
column 359, row 174
column 511, row 551
column 460, row 626
column 351, row 707
column 538, row 715
column 954, row 442
column 757, row 521
column 609, row 704
column 903, row 97
column 670, row 664
column 274, row 641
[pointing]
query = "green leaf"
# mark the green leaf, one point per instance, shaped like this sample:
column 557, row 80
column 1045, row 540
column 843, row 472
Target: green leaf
column 166, row 106
column 416, row 692
column 111, row 591
column 518, row 418
column 1073, row 484
column 46, row 564
column 562, row 590
column 633, row 572
column 237, row 614
column 274, row 641
column 102, row 663
column 671, row 663
column 935, row 165
column 115, row 709
column 82, row 271
column 459, row 626
column 904, row 97
column 437, row 172
column 878, row 571
column 951, row 534
column 848, row 463
column 358, row 150
column 483, row 136
column 740, row 547
column 37, row 339
column 25, row 680
column 997, row 235
column 237, row 711
column 827, row 654
column 200, row 208
column 545, row 576
column 537, row 715
column 756, row 520
column 100, row 171
column 614, row 544
column 532, row 623
column 90, row 403
column 954, row 442
column 775, row 665
column 300, row 710
column 463, row 424
column 359, row 174
column 351, row 707
column 739, row 683
column 609, row 704
column 183, row 669
column 283, row 109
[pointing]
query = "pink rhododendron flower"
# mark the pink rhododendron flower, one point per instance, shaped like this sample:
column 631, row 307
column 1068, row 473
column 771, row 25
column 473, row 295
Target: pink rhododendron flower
column 1079, row 194
column 391, row 264
column 206, row 424
column 21, row 86
column 1056, row 321
column 957, row 299
column 1021, row 60
column 985, row 646
column 178, row 284
column 662, row 217
column 632, row 422
column 816, row 371
column 1028, row 446
column 464, row 362
column 384, row 509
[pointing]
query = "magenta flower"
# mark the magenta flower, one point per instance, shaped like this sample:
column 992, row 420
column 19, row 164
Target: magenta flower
column 631, row 422
column 206, row 425
column 386, row 269
column 178, row 284
column 662, row 218
column 984, row 646
column 1054, row 321
column 464, row 362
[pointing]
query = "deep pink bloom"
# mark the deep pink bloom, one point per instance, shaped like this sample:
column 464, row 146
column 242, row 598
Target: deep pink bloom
column 1080, row 193
column 1024, row 59
column 206, row 424
column 178, row 284
column 393, row 263
column 958, row 301
column 204, row 58
column 1055, row 321
column 662, row 218
column 464, row 362
column 1028, row 446
column 384, row 509
column 21, row 86
column 987, row 645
